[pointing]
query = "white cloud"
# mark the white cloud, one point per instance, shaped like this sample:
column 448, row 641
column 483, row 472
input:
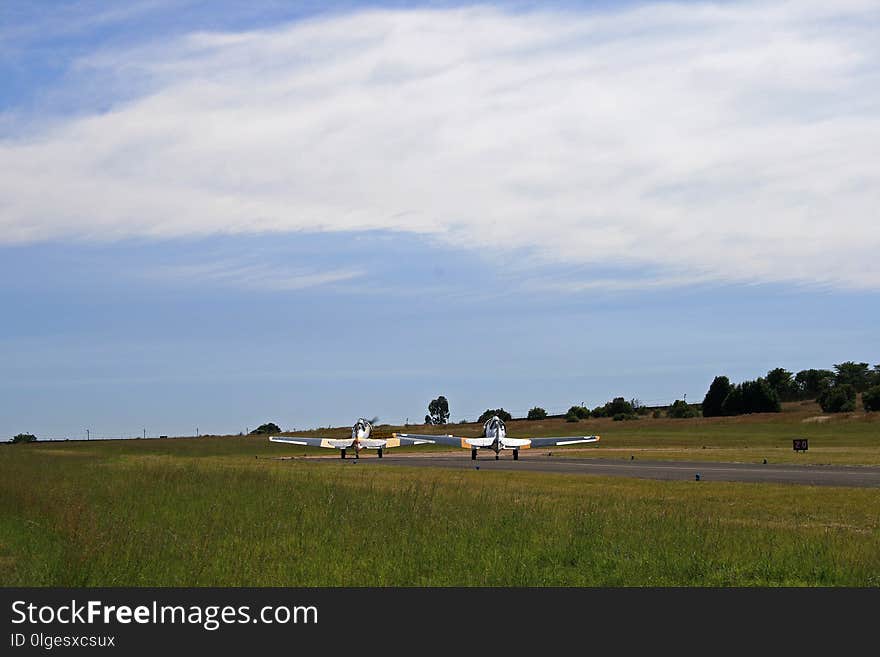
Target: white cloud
column 724, row 142
column 249, row 276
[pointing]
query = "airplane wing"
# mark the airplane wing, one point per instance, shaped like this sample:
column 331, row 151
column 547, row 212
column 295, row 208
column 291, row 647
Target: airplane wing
column 447, row 439
column 331, row 443
column 394, row 441
column 525, row 443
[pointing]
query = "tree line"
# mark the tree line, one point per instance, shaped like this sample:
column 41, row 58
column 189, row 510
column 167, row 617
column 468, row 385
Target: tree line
column 835, row 390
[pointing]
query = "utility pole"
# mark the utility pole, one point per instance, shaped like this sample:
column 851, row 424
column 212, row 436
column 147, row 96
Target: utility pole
column 145, row 433
column 197, row 432
column 88, row 437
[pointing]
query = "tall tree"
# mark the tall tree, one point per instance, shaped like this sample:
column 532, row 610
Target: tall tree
column 812, row 383
column 438, row 410
column 759, row 397
column 750, row 397
column 500, row 412
column 714, row 399
column 857, row 375
column 782, row 383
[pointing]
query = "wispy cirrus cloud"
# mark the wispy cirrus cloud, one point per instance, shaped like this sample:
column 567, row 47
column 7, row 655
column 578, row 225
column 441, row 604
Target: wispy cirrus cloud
column 726, row 142
column 249, row 276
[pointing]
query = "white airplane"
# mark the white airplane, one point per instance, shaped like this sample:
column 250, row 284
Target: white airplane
column 360, row 439
column 495, row 438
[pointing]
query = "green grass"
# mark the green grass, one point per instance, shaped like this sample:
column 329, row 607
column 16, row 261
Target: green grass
column 205, row 512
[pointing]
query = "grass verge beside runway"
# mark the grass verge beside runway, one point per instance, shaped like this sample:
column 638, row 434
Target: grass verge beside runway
column 207, row 513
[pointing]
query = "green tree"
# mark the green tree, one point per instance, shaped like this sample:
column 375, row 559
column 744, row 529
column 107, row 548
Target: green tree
column 782, row 383
column 578, row 412
column 858, row 375
column 638, row 407
column 500, row 412
column 812, row 383
column 537, row 413
column 438, row 410
column 618, row 406
column 759, row 397
column 681, row 409
column 733, row 403
column 838, row 399
column 750, row 397
column 269, row 427
column 871, row 399
column 23, row 438
column 714, row 399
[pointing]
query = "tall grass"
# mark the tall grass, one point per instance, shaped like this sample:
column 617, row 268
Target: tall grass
column 91, row 515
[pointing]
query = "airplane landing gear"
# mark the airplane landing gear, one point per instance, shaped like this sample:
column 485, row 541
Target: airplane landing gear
column 516, row 455
column 380, row 452
column 342, row 453
column 473, row 453
column 496, row 456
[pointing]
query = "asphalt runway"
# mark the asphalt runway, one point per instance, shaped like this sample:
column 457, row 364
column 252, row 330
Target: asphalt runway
column 807, row 475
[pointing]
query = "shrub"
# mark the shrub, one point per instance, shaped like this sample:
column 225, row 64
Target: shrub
column 599, row 411
column 657, row 413
column 23, row 438
column 571, row 418
column 537, row 413
column 579, row 412
column 871, row 399
column 618, row 417
column 681, row 409
column 617, row 406
column 269, row 427
column 838, row 399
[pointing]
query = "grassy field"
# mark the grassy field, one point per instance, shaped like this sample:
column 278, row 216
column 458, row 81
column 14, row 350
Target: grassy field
column 206, row 512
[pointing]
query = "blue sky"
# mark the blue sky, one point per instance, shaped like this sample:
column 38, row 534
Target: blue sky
column 214, row 217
